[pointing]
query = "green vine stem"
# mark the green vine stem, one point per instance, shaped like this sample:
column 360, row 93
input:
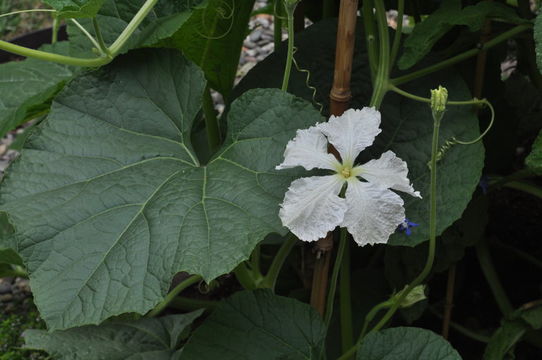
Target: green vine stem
column 54, row 29
column 345, row 297
column 114, row 49
column 486, row 264
column 249, row 278
column 290, row 8
column 211, row 121
column 380, row 85
column 525, row 187
column 173, row 293
column 189, row 304
column 398, row 32
column 461, row 329
column 88, row 35
column 432, row 242
column 270, row 278
column 463, row 56
column 277, row 26
column 99, row 37
column 335, row 276
column 370, row 35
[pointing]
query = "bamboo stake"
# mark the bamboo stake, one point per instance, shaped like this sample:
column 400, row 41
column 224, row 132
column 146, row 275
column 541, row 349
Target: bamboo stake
column 340, row 98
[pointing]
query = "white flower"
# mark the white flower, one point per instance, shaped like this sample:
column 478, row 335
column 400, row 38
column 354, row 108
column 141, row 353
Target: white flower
column 370, row 211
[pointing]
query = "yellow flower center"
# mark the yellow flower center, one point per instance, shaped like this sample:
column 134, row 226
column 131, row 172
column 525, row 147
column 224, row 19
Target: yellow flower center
column 346, row 172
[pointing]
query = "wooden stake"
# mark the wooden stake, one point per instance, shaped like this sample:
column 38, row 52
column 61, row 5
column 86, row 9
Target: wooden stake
column 340, row 98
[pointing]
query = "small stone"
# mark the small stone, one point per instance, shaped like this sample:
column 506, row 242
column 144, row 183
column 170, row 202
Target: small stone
column 3, row 149
column 6, row 298
column 268, row 48
column 5, row 287
column 263, row 21
column 260, row 57
column 249, row 44
column 251, row 52
column 255, row 35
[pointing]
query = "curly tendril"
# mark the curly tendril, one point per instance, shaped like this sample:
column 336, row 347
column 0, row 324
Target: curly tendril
column 224, row 12
column 307, row 82
column 448, row 144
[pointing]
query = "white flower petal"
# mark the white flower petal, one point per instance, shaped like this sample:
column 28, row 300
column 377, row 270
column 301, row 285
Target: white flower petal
column 389, row 171
column 312, row 207
column 373, row 212
column 352, row 132
column 308, row 149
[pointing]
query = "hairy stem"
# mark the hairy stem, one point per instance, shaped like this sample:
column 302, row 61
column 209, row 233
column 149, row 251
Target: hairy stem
column 211, row 121
column 432, row 246
column 398, row 32
column 458, row 58
column 173, row 293
column 486, row 263
column 99, row 37
column 114, row 49
column 335, row 276
column 290, row 56
column 380, row 85
column 270, row 278
column 345, row 297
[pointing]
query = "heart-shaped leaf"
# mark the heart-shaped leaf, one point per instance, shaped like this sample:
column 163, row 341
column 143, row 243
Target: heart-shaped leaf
column 260, row 325
column 406, row 343
column 156, row 339
column 109, row 201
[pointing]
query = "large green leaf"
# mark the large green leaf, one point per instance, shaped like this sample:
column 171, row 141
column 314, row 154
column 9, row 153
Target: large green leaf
column 436, row 25
column 534, row 159
column 76, row 8
column 212, row 38
column 407, row 125
column 27, row 85
column 166, row 18
column 146, row 338
column 406, row 343
column 109, row 201
column 258, row 325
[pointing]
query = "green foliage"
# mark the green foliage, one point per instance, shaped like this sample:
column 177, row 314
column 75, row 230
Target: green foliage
column 436, row 25
column 406, row 343
column 146, row 338
column 119, row 185
column 407, row 125
column 164, row 21
column 11, row 341
column 212, row 38
column 258, row 322
column 512, row 329
column 75, row 8
column 534, row 160
column 27, row 87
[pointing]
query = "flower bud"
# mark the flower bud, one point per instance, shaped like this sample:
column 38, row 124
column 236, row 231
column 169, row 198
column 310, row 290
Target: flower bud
column 439, row 97
column 415, row 295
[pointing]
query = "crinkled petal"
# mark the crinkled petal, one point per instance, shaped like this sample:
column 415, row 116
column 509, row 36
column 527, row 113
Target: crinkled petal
column 312, row 207
column 373, row 212
column 352, row 132
column 308, row 149
column 389, row 171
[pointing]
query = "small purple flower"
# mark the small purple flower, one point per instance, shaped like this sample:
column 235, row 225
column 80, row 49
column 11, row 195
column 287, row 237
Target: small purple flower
column 405, row 227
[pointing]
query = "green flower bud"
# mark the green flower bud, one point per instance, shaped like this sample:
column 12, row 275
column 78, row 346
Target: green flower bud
column 439, row 97
column 416, row 295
